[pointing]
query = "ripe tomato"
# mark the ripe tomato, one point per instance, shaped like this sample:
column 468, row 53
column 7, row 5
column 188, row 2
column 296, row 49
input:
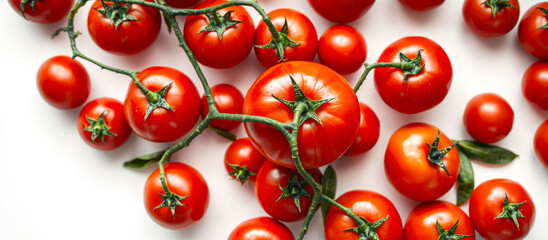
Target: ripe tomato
column 487, row 203
column 45, row 11
column 419, row 92
column 228, row 99
column 369, row 205
column 102, row 124
column 319, row 144
column 479, row 17
column 63, row 82
column 488, row 118
column 224, row 51
column 541, row 143
column 533, row 31
column 121, row 35
column 163, row 125
column 368, row 132
column 407, row 149
column 181, row 3
column 422, row 222
column 270, row 181
column 242, row 160
column 534, row 84
column 261, row 228
column 342, row 48
column 341, row 11
column 421, row 5
column 300, row 30
column 184, row 181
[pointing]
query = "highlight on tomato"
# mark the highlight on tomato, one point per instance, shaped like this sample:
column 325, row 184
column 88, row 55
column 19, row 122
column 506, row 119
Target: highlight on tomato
column 488, row 118
column 43, row 11
column 534, row 84
column 243, row 161
column 421, row 5
column 341, row 11
column 368, row 132
column 228, row 99
column 259, row 228
column 490, row 18
column 533, row 30
column 342, row 48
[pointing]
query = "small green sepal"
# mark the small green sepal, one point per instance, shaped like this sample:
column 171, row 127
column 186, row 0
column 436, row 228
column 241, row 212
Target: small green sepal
column 417, row 67
column 294, row 189
column 98, row 128
column 218, row 23
column 241, row 173
column 116, row 13
column 31, row 3
column 451, row 233
column 545, row 11
column 497, row 5
column 368, row 231
column 511, row 210
column 171, row 200
column 436, row 155
column 280, row 44
column 158, row 99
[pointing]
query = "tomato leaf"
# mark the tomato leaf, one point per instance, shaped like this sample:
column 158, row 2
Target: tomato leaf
column 223, row 133
column 486, row 153
column 144, row 160
column 329, row 187
column 465, row 179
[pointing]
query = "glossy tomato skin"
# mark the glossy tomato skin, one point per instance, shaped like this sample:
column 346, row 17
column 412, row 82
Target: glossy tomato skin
column 261, row 228
column 368, row 132
column 370, row 205
column 242, row 153
column 479, row 18
column 341, row 11
column 421, row 222
column 342, row 48
column 163, row 125
column 421, row 5
column 301, row 30
column 407, row 150
column 318, row 145
column 488, row 118
column 209, row 50
column 228, row 99
column 532, row 39
column 131, row 37
column 541, row 143
column 486, row 203
column 534, row 84
column 422, row 91
column 181, row 3
column 115, row 120
column 45, row 11
column 182, row 180
column 63, row 82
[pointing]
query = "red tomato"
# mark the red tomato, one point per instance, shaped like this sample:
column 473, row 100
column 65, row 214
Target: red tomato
column 341, row 11
column 184, row 181
column 318, row 145
column 486, row 206
column 541, row 143
column 478, row 16
column 228, row 99
column 342, row 48
column 271, row 178
column 102, row 124
column 534, row 84
column 421, row 5
column 220, row 52
column 300, row 30
column 63, row 82
column 532, row 37
column 261, row 228
column 407, row 149
column 422, row 222
column 163, row 125
column 488, row 118
column 45, row 11
column 181, row 3
column 369, row 205
column 368, row 132
column 242, row 160
column 419, row 92
column 130, row 36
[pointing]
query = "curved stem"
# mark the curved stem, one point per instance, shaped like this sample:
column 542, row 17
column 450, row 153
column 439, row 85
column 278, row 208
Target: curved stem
column 368, row 67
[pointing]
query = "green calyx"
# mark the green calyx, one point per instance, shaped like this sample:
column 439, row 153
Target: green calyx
column 294, row 189
column 545, row 11
column 241, row 173
column 218, row 23
column 511, row 210
column 171, row 200
column 98, row 128
column 116, row 13
column 158, row 99
column 451, row 233
column 280, row 44
column 497, row 5
column 436, row 155
column 31, row 3
column 416, row 65
column 368, row 230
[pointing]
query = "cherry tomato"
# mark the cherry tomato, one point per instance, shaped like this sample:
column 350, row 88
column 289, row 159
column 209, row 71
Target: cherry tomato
column 478, row 16
column 184, row 181
column 534, row 38
column 407, row 149
column 422, row 222
column 368, row 132
column 342, row 48
column 488, row 215
column 45, row 11
column 341, row 11
column 418, row 92
column 228, row 99
column 242, row 160
column 488, row 118
column 130, row 36
column 421, row 5
column 163, row 125
column 102, row 124
column 63, row 82
column 375, row 208
column 181, row 3
column 541, row 143
column 534, row 84
column 261, row 228
column 319, row 144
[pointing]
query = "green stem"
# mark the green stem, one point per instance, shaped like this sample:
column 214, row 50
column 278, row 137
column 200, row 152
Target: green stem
column 368, row 67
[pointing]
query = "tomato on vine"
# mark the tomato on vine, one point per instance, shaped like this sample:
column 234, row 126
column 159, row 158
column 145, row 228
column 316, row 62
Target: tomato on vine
column 243, row 161
column 368, row 132
column 228, row 99
column 42, row 11
column 181, row 3
column 261, row 228
column 541, row 143
column 534, row 84
column 341, row 11
column 490, row 18
column 488, row 118
column 438, row 220
column 342, row 48
column 533, row 30
column 421, row 5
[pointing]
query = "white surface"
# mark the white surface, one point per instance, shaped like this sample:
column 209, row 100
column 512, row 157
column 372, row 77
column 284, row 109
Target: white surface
column 53, row 186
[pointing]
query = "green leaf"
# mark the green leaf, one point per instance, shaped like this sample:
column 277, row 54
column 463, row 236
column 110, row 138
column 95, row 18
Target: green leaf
column 143, row 161
column 486, row 153
column 329, row 188
column 224, row 133
column 465, row 179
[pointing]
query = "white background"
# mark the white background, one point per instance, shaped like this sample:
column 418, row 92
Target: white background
column 53, row 186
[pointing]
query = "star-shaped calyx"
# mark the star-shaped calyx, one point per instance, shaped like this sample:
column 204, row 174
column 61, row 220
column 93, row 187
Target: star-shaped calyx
column 368, row 230
column 435, row 156
column 218, row 23
column 116, row 13
column 241, row 173
column 31, row 3
column 416, row 63
column 171, row 200
column 294, row 189
column 158, row 99
column 280, row 44
column 545, row 11
column 451, row 233
column 98, row 128
column 511, row 210
column 497, row 5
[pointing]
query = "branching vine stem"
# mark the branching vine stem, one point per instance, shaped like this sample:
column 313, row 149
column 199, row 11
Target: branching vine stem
column 368, row 67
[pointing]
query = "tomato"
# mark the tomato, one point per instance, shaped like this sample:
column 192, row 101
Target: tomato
column 418, row 92
column 319, row 144
column 534, row 84
column 128, row 36
column 422, row 222
column 184, row 181
column 242, row 160
column 365, row 204
column 228, row 99
column 270, row 181
column 342, row 48
column 421, row 5
column 227, row 50
column 181, row 3
column 368, row 132
column 407, row 149
column 300, row 30
column 478, row 16
column 541, row 143
column 261, row 228
column 102, row 124
column 163, row 125
column 45, row 11
column 488, row 118
column 533, row 31
column 488, row 215
column 63, row 82
column 341, row 11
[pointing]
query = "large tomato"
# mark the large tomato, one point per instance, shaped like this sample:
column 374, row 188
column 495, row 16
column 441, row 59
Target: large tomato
column 342, row 48
column 541, row 143
column 421, row 5
column 45, row 11
column 424, row 219
column 418, row 92
column 533, row 31
column 243, row 161
column 488, row 118
column 368, row 132
column 341, row 11
column 261, row 228
column 319, row 143
column 534, row 84
column 228, row 99
column 478, row 16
